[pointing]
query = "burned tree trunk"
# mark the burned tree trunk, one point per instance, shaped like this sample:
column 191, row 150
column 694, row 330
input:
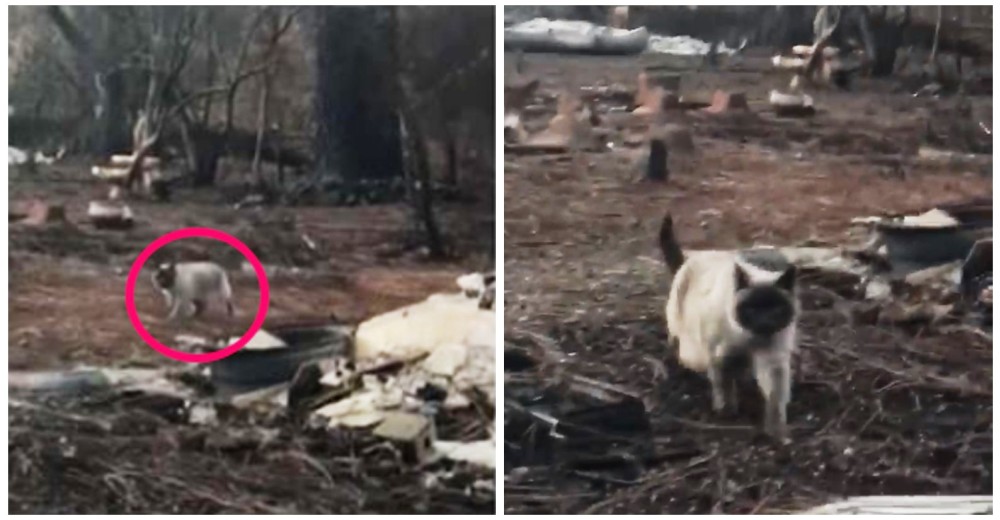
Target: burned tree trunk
column 107, row 131
column 419, row 188
column 357, row 132
column 414, row 146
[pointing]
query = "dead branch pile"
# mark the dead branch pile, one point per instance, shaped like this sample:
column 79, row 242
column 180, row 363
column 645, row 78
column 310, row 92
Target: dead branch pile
column 876, row 409
column 128, row 454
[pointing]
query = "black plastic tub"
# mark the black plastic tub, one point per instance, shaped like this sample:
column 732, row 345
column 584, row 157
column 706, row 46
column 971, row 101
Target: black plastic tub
column 914, row 248
column 251, row 369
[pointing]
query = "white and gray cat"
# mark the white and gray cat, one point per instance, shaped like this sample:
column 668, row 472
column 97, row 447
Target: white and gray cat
column 730, row 309
column 189, row 286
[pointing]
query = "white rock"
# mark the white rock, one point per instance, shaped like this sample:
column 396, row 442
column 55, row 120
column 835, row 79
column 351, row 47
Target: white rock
column 481, row 453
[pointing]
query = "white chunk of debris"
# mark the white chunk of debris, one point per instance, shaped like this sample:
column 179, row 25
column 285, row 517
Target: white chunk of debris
column 878, row 289
column 110, row 173
column 452, row 336
column 911, row 505
column 202, row 414
column 480, row 453
column 98, row 209
column 190, row 342
column 271, row 396
column 262, row 340
column 336, row 372
column 807, row 50
column 583, row 34
column 781, row 99
column 472, row 284
column 934, row 218
column 684, row 46
column 123, row 160
column 419, row 329
column 446, row 359
column 365, row 407
column 16, row 156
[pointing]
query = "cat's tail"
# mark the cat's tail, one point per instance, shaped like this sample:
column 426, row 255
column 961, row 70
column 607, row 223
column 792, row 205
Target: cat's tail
column 672, row 253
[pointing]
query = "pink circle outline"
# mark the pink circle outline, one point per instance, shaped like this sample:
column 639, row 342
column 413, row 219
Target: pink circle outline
column 133, row 276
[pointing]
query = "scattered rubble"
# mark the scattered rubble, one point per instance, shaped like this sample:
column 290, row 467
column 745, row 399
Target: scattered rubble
column 400, row 377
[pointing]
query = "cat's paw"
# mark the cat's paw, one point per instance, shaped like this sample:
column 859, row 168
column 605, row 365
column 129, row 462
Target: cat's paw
column 778, row 432
column 718, row 402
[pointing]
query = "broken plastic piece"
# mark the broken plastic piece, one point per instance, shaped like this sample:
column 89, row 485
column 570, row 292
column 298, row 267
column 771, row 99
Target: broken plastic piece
column 412, row 433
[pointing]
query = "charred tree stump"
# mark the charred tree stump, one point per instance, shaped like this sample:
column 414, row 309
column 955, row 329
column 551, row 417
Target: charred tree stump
column 656, row 165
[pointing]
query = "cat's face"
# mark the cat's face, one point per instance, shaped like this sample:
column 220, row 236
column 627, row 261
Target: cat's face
column 164, row 276
column 765, row 308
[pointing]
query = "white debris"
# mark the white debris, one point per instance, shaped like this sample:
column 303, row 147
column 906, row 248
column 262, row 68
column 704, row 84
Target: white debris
column 110, row 173
column 781, row 99
column 934, row 218
column 481, row 453
column 908, row 505
column 446, row 359
column 365, row 407
column 544, row 25
column 416, row 330
column 472, row 284
column 684, row 46
column 457, row 400
column 190, row 342
column 262, row 340
column 276, row 395
column 878, row 289
column 336, row 372
column 16, row 156
column 202, row 414
column 584, row 35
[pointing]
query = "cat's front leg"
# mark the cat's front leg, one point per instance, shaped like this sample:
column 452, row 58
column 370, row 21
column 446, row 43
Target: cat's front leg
column 716, row 376
column 774, row 380
column 175, row 307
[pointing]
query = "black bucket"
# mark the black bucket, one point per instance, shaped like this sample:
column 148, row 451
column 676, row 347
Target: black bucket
column 920, row 247
column 252, row 369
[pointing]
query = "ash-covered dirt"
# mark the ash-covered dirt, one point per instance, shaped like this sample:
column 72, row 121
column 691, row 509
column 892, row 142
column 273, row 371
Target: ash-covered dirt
column 876, row 409
column 67, row 280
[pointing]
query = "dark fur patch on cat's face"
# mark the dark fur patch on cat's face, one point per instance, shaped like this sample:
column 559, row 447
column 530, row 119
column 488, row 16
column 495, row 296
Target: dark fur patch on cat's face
column 164, row 276
column 765, row 310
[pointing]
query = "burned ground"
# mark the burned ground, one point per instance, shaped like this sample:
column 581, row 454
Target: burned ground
column 99, row 453
column 876, row 409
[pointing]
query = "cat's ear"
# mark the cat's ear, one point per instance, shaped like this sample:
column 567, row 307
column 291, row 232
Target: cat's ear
column 787, row 280
column 742, row 280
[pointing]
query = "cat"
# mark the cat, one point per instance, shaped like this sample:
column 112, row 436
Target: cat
column 188, row 286
column 728, row 309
